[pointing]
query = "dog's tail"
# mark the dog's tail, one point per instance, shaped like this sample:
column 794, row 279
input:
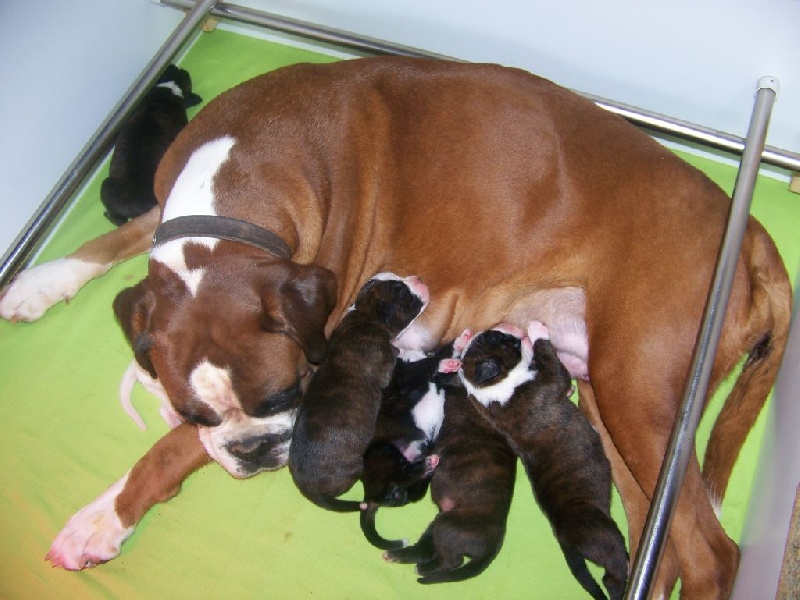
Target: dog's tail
column 763, row 331
column 368, row 511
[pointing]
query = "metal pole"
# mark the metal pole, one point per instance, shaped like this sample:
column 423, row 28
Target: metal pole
column 650, row 120
column 681, row 443
column 26, row 242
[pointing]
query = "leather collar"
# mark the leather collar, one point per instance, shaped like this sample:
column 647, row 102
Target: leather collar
column 224, row 228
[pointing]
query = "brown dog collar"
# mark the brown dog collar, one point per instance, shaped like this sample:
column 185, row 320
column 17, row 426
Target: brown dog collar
column 224, row 228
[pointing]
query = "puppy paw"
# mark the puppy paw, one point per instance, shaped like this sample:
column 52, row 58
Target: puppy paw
column 449, row 365
column 36, row 289
column 461, row 342
column 92, row 536
column 538, row 330
column 431, row 462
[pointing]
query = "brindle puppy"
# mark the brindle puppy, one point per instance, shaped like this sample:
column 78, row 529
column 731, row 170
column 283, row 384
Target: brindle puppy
column 336, row 419
column 472, row 485
column 562, row 453
column 399, row 462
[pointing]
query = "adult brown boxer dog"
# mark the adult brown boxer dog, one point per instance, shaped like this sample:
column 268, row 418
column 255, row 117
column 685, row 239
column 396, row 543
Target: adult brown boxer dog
column 513, row 198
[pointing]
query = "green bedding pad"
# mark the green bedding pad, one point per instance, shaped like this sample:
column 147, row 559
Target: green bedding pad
column 65, row 439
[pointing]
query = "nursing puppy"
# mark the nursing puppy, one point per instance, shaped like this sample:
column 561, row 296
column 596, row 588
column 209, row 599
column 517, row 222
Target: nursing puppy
column 128, row 192
column 562, row 453
column 473, row 485
column 336, row 419
column 399, row 462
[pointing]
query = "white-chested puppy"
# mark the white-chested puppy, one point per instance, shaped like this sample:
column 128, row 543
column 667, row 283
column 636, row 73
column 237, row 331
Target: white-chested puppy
column 336, row 419
column 519, row 385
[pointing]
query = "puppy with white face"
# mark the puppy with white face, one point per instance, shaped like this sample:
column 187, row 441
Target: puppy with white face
column 519, row 385
column 337, row 417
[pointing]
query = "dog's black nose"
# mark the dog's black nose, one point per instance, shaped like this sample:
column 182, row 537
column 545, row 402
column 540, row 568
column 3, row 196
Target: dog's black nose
column 262, row 452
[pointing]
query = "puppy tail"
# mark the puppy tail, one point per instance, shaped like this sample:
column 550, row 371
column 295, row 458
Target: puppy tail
column 764, row 331
column 473, row 568
column 368, row 528
column 577, row 566
column 335, row 504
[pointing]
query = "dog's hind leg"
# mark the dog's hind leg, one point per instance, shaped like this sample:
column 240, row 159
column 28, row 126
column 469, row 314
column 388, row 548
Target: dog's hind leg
column 38, row 288
column 95, row 533
column 634, row 501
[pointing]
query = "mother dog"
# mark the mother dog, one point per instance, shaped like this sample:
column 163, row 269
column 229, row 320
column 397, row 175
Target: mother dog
column 513, row 198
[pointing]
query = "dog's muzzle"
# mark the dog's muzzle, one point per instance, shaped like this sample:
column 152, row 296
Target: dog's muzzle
column 244, row 445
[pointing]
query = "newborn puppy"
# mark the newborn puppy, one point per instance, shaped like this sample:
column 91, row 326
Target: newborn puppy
column 398, row 463
column 473, row 485
column 336, row 419
column 127, row 192
column 562, row 453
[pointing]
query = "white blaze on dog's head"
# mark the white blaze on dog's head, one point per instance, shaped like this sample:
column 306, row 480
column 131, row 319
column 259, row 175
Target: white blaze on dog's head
column 193, row 194
column 240, row 440
column 502, row 391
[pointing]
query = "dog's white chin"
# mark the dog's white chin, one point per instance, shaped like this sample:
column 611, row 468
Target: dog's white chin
column 216, row 439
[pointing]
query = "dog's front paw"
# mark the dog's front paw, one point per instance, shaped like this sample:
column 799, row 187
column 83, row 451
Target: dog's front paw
column 35, row 290
column 92, row 536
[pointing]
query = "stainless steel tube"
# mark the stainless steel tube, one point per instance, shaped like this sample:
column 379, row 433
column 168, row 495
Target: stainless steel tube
column 650, row 120
column 27, row 241
column 681, row 443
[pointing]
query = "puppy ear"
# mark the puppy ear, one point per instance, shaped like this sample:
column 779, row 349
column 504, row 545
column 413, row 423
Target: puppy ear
column 486, row 370
column 132, row 307
column 299, row 306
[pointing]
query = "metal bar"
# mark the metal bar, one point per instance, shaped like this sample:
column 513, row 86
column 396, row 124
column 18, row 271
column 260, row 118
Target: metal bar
column 311, row 31
column 681, row 443
column 650, row 120
column 45, row 216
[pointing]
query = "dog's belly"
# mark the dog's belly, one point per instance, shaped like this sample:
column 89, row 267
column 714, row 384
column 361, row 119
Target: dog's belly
column 562, row 309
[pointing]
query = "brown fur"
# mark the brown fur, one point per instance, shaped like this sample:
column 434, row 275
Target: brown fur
column 387, row 163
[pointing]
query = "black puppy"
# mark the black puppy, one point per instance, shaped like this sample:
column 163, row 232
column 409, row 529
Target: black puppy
column 473, row 485
column 336, row 419
column 562, row 453
column 399, row 462
column 146, row 134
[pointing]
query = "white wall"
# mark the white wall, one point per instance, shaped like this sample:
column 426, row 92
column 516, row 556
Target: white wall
column 64, row 64
column 698, row 60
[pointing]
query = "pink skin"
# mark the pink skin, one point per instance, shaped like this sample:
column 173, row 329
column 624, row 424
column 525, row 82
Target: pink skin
column 419, row 288
column 462, row 342
column 538, row 330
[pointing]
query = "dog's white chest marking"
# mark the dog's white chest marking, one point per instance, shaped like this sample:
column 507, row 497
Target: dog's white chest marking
column 193, row 194
column 428, row 413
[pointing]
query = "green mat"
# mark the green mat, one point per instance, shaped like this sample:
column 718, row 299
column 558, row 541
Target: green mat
column 65, row 438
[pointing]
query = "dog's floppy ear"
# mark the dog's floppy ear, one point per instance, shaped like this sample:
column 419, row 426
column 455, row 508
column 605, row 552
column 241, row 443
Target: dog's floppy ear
column 132, row 307
column 485, row 370
column 299, row 304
